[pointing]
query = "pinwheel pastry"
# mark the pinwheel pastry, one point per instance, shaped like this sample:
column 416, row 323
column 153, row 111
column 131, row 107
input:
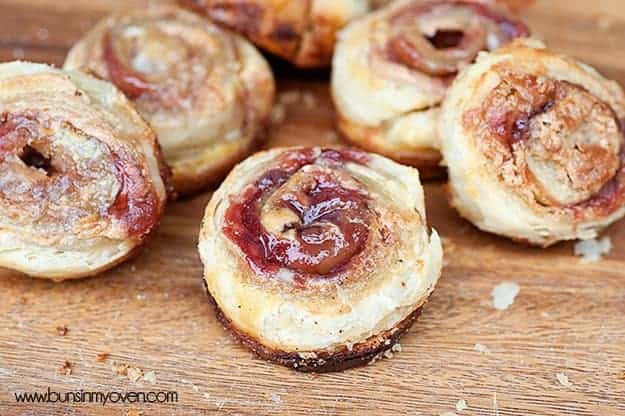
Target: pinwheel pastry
column 319, row 259
column 300, row 31
column 206, row 92
column 534, row 143
column 81, row 183
column 392, row 68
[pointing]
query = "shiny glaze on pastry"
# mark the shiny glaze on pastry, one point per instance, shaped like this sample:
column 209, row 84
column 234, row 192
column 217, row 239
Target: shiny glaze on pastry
column 206, row 92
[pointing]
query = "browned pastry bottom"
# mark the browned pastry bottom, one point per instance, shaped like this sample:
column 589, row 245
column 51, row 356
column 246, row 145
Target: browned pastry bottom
column 324, row 361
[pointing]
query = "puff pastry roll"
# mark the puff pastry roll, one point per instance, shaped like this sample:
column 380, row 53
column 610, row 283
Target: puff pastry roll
column 300, row 31
column 81, row 183
column 392, row 68
column 534, row 143
column 206, row 92
column 319, row 259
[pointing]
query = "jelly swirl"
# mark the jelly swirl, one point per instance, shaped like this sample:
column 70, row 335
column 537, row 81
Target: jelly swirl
column 438, row 38
column 82, row 180
column 205, row 91
column 304, row 215
column 565, row 145
column 157, row 62
column 59, row 187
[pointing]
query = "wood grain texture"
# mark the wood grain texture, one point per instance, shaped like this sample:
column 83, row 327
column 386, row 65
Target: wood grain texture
column 151, row 313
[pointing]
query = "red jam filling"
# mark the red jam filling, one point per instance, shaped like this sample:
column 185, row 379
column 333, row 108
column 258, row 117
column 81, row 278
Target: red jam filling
column 136, row 204
column 333, row 221
column 130, row 82
column 513, row 126
column 449, row 47
column 609, row 198
column 511, row 28
column 508, row 121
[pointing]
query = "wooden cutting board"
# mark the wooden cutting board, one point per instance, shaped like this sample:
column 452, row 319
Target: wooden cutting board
column 151, row 313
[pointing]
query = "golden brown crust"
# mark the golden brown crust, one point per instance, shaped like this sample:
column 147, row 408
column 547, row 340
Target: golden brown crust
column 192, row 184
column 323, row 361
column 300, row 31
column 535, row 145
column 276, row 29
column 81, row 174
column 426, row 160
column 206, row 92
column 392, row 68
column 318, row 256
column 525, row 118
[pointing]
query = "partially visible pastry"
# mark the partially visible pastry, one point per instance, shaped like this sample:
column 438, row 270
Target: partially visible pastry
column 535, row 147
column 206, row 92
column 300, row 31
column 376, row 4
column 81, row 175
column 319, row 259
column 392, row 68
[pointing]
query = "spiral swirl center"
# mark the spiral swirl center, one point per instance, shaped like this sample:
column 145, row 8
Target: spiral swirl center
column 157, row 63
column 306, row 217
column 563, row 140
column 60, row 176
column 439, row 38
